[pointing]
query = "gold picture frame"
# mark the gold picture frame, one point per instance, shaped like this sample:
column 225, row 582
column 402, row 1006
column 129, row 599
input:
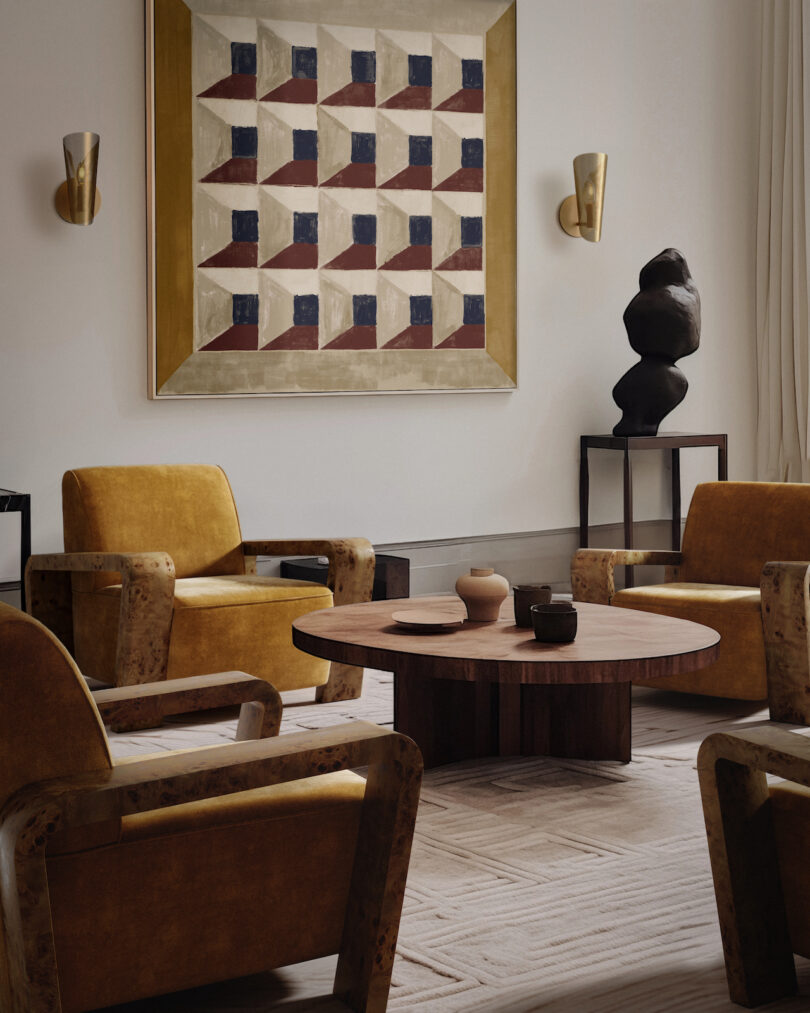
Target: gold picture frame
column 259, row 269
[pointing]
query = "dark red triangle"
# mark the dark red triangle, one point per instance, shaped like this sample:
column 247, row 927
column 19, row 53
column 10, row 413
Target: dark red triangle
column 235, row 170
column 358, row 93
column 468, row 100
column 298, row 256
column 297, row 89
column 419, row 336
column 240, row 86
column 356, row 337
column 357, row 174
column 301, row 173
column 301, row 338
column 358, row 257
column 415, row 177
column 469, row 180
column 467, row 336
column 415, row 96
column 412, row 258
column 239, row 338
column 470, row 259
column 234, row 255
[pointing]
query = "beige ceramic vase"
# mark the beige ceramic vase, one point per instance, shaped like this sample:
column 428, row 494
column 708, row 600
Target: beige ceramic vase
column 483, row 592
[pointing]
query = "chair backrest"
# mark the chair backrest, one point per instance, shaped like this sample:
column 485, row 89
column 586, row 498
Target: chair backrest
column 186, row 510
column 734, row 528
column 49, row 725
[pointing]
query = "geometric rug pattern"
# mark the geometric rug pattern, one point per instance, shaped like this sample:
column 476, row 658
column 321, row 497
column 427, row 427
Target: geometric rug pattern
column 536, row 884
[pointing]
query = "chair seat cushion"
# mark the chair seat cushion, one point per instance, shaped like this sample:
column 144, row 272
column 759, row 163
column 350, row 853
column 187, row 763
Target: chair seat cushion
column 733, row 611
column 241, row 622
column 791, row 816
column 236, row 885
column 706, row 597
column 244, row 589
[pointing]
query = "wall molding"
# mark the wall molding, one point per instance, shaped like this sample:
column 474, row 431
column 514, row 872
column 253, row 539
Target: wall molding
column 520, row 556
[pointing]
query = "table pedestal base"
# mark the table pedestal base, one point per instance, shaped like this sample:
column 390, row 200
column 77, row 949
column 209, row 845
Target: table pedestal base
column 452, row 719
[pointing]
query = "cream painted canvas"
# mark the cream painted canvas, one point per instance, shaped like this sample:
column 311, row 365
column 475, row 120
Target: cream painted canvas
column 332, row 197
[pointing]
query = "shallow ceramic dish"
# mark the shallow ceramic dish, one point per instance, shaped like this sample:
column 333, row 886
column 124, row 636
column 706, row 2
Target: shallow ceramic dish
column 428, row 620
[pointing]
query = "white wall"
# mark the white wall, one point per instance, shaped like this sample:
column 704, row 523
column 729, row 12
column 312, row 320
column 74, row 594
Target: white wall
column 667, row 89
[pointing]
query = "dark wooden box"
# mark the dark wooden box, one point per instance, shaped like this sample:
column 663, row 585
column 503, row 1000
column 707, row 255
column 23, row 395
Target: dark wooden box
column 392, row 574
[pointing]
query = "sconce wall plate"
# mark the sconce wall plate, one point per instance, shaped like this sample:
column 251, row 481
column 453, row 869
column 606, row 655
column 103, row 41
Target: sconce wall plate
column 78, row 200
column 580, row 215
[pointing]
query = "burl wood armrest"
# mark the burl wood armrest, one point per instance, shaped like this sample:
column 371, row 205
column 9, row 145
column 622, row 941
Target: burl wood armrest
column 147, row 597
column 380, row 863
column 785, row 590
column 350, row 578
column 145, row 706
column 732, row 767
column 592, row 570
column 351, row 562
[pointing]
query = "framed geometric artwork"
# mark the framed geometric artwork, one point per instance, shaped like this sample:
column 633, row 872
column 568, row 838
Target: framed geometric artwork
column 331, row 195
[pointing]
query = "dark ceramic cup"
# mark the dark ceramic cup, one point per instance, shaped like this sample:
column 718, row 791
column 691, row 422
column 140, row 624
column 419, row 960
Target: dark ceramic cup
column 527, row 595
column 555, row 623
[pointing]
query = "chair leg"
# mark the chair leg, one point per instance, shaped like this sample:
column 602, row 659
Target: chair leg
column 33, row 981
column 345, row 683
column 750, row 906
column 366, row 959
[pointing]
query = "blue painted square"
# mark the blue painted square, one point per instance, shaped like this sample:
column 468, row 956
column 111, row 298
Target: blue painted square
column 472, row 73
column 244, row 142
column 305, row 226
column 474, row 309
column 420, row 228
column 243, row 57
column 421, row 310
column 305, row 310
column 245, row 226
column 420, row 70
column 472, row 153
column 364, row 66
column 364, row 148
column 420, row 150
column 305, row 62
column 364, row 310
column 364, row 229
column 472, row 232
column 305, row 145
column 245, row 309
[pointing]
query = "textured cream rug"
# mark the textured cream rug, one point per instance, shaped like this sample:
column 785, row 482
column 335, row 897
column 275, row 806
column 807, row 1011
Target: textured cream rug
column 535, row 884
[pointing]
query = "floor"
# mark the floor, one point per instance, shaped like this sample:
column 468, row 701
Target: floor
column 536, row 884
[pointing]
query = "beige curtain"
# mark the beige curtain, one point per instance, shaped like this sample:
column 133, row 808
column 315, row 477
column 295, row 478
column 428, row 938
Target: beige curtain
column 782, row 244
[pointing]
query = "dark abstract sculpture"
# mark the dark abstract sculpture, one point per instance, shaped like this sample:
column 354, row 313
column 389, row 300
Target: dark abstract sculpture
column 663, row 324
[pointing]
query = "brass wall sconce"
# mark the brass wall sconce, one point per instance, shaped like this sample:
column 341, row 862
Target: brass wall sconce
column 77, row 199
column 581, row 214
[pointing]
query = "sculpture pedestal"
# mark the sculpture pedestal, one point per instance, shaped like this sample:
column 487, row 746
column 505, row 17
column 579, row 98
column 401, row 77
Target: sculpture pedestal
column 663, row 441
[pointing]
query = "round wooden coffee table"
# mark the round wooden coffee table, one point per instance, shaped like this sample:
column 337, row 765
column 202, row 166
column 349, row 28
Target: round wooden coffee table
column 491, row 689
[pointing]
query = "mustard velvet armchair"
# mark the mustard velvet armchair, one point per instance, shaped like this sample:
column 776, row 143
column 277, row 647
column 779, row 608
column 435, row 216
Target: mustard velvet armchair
column 743, row 571
column 156, row 582
column 758, row 836
column 123, row 880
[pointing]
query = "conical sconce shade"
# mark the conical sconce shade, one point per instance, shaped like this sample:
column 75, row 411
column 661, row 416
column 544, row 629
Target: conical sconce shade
column 77, row 199
column 580, row 215
column 589, row 181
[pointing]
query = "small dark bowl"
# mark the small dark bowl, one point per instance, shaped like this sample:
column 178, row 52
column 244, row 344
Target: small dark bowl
column 555, row 623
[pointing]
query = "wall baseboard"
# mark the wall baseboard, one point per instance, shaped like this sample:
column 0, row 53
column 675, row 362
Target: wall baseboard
column 523, row 557
column 540, row 557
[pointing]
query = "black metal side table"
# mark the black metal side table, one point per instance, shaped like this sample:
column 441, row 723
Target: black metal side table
column 663, row 441
column 18, row 502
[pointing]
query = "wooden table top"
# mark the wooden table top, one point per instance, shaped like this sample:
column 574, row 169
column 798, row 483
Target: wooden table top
column 612, row 644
